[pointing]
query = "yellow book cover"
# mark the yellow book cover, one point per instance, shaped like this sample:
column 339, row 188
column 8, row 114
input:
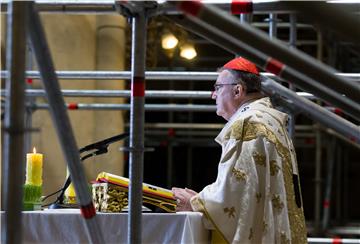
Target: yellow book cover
column 147, row 188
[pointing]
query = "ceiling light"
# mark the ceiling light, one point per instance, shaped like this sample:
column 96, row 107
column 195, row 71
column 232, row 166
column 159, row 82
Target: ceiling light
column 188, row 51
column 169, row 41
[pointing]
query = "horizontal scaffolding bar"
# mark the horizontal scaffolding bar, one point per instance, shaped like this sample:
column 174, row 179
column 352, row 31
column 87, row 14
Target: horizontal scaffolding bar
column 207, row 126
column 108, row 6
column 203, row 126
column 103, row 6
column 127, row 93
column 332, row 240
column 148, row 107
column 149, row 75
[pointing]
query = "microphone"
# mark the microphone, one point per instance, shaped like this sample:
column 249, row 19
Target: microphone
column 101, row 147
column 104, row 143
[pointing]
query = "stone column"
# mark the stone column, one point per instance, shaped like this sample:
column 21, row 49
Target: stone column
column 72, row 43
column 110, row 55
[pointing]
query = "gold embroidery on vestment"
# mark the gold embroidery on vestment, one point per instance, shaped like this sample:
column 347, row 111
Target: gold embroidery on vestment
column 283, row 238
column 274, row 168
column 230, row 211
column 200, row 206
column 251, row 131
column 239, row 174
column 258, row 197
column 265, row 226
column 259, row 158
column 237, row 130
column 277, row 203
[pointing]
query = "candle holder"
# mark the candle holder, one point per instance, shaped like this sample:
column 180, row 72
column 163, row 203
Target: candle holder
column 32, row 197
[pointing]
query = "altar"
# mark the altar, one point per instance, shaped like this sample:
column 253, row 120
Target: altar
column 68, row 226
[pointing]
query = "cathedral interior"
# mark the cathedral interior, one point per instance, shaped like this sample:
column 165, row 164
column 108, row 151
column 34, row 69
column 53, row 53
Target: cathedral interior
column 91, row 41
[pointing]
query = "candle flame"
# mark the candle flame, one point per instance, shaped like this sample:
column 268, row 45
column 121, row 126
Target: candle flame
column 34, row 150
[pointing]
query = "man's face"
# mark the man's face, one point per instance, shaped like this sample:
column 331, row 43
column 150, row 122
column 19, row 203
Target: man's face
column 225, row 95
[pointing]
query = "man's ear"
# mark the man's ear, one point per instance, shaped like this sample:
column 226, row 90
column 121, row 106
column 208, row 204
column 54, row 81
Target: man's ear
column 238, row 90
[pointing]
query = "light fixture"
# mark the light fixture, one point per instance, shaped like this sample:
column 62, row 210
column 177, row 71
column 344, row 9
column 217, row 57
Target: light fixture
column 169, row 41
column 188, row 51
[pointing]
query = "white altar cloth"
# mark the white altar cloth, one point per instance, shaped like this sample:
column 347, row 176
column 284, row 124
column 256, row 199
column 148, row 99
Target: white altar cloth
column 67, row 226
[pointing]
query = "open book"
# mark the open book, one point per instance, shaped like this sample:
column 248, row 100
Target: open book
column 110, row 194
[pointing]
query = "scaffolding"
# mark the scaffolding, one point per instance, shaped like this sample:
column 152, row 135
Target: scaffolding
column 207, row 21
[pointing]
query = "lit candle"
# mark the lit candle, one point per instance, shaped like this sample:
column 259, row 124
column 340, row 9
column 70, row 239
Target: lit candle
column 34, row 162
column 70, row 195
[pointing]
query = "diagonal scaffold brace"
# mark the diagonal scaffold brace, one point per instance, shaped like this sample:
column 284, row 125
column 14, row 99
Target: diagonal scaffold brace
column 275, row 57
column 312, row 110
column 59, row 114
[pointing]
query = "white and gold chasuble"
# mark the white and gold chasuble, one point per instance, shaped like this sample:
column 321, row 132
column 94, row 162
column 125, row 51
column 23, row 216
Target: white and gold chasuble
column 256, row 196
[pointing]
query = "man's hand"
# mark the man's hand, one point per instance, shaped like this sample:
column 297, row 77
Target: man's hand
column 183, row 197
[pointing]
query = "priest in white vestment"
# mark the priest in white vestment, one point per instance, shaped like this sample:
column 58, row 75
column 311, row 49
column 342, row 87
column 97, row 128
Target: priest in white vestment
column 256, row 197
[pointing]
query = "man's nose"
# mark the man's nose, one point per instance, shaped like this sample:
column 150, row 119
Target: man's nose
column 213, row 95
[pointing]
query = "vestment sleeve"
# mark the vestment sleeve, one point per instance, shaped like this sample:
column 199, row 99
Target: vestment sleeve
column 230, row 198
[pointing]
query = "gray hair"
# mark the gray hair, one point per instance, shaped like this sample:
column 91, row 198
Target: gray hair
column 251, row 82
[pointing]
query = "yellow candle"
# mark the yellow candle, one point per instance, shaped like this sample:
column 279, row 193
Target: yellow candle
column 70, row 194
column 34, row 162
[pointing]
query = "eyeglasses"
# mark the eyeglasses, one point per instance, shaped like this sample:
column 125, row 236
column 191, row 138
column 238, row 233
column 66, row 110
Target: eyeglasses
column 219, row 85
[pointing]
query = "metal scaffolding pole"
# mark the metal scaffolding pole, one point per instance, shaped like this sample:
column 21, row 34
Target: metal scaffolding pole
column 219, row 22
column 331, row 16
column 332, row 240
column 62, row 122
column 313, row 110
column 127, row 93
column 137, row 114
column 317, row 182
column 272, row 25
column 148, row 107
column 149, row 75
column 78, row 6
column 292, row 44
column 331, row 156
column 342, row 138
column 234, row 45
column 14, row 167
column 349, row 131
column 108, row 6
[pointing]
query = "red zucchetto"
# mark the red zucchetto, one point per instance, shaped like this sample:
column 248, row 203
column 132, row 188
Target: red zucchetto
column 241, row 64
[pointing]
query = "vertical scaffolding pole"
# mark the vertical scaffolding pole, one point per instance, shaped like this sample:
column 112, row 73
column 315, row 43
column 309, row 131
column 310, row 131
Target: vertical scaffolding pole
column 292, row 44
column 189, row 158
column 61, row 121
column 339, row 193
column 317, row 181
column 331, row 155
column 136, row 157
column 170, row 145
column 345, row 188
column 272, row 25
column 14, row 163
column 31, row 100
